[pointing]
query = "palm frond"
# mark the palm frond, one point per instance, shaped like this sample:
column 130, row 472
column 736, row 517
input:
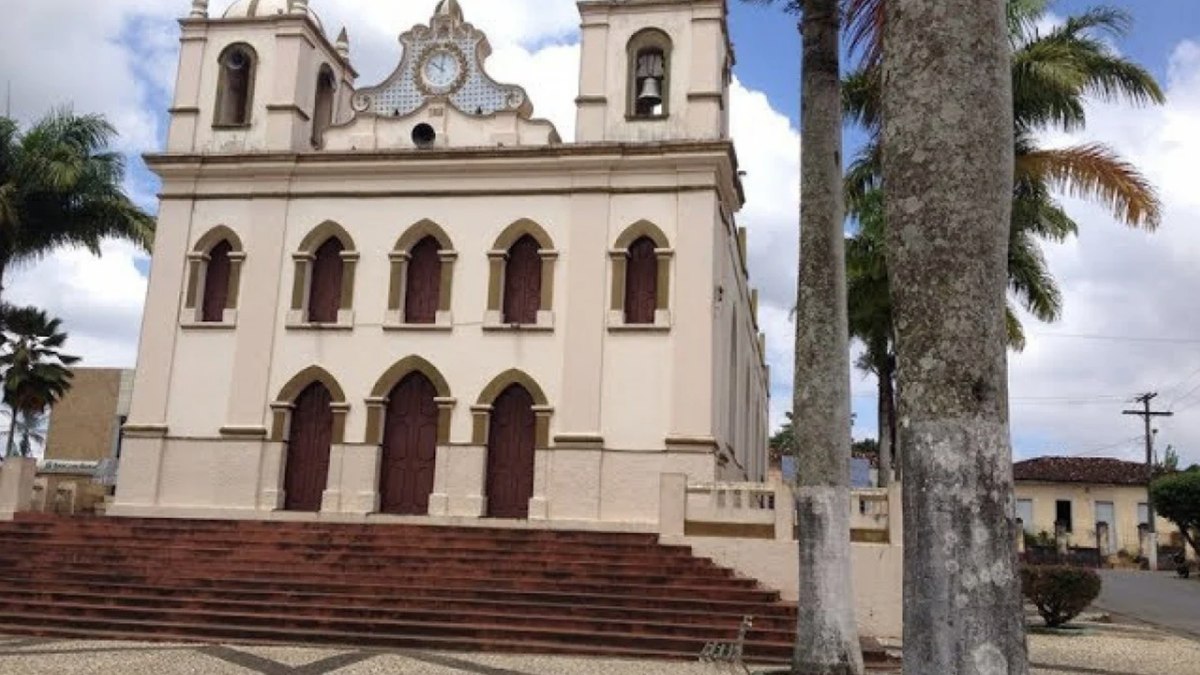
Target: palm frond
column 1097, row 173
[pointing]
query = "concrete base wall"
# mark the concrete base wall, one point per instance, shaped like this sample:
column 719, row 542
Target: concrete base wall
column 878, row 574
column 16, row 486
column 172, row 477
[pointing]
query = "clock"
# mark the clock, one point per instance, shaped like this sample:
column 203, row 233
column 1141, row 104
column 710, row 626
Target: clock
column 442, row 70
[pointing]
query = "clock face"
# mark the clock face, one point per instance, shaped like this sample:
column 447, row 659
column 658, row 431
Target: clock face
column 441, row 69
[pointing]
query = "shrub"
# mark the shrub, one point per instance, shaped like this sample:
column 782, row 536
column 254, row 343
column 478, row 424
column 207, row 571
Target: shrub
column 1060, row 593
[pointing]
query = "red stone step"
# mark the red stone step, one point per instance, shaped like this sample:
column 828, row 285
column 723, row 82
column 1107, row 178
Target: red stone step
column 395, row 595
column 389, row 586
column 398, row 622
column 767, row 617
column 325, row 583
column 366, row 559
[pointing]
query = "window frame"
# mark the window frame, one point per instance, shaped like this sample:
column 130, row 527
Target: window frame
column 195, row 292
column 645, row 40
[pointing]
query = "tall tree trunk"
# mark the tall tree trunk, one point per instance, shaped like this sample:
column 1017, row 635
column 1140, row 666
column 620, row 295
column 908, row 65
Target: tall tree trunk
column 827, row 635
column 947, row 164
column 12, row 434
column 887, row 412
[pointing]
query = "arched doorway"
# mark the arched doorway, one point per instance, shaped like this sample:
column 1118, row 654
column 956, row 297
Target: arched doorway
column 307, row 467
column 409, row 447
column 511, row 439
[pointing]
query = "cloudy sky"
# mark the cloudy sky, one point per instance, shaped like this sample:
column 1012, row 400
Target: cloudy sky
column 1132, row 319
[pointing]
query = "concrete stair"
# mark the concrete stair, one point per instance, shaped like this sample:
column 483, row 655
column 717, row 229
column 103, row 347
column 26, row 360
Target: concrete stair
column 380, row 586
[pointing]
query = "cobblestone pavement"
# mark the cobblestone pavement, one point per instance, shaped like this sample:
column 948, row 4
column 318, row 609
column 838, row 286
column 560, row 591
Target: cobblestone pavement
column 1097, row 649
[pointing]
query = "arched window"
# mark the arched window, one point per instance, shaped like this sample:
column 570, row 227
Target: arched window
column 641, row 282
column 649, row 55
column 523, row 282
column 323, row 284
column 216, row 283
column 423, row 283
column 641, row 279
column 323, row 105
column 325, row 292
column 235, row 87
column 213, row 279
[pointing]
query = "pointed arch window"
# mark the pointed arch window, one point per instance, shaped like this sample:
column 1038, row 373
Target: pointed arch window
column 213, row 281
column 323, row 286
column 235, row 86
column 523, row 282
column 325, row 292
column 423, row 285
column 641, row 278
column 422, row 280
column 323, row 105
column 521, row 279
column 216, row 283
column 649, row 55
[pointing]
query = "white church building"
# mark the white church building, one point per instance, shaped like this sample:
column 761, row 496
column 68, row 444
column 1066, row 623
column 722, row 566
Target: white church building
column 416, row 299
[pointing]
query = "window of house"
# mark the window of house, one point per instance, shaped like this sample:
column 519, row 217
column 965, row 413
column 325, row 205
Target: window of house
column 523, row 282
column 1062, row 514
column 325, row 293
column 641, row 282
column 1143, row 513
column 649, row 74
column 235, row 87
column 323, row 106
column 423, row 282
column 1025, row 514
column 216, row 283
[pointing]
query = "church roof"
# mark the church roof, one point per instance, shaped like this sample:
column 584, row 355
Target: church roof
column 262, row 8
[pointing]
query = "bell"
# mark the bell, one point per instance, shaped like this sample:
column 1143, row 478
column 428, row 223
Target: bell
column 651, row 94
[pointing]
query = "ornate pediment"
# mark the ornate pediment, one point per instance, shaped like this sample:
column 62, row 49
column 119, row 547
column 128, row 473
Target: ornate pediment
column 443, row 61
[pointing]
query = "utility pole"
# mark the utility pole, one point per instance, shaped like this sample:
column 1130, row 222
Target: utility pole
column 1147, row 414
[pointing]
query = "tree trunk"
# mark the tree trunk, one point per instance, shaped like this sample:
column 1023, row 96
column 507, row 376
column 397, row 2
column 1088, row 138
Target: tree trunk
column 827, row 635
column 9, row 450
column 887, row 412
column 947, row 164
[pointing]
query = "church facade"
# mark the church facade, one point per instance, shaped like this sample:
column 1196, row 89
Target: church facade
column 416, row 299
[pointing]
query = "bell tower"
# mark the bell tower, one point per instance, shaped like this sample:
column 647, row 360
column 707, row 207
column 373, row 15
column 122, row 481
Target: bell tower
column 654, row 70
column 261, row 77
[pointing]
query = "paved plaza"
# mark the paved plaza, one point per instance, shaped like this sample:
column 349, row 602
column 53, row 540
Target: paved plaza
column 1101, row 648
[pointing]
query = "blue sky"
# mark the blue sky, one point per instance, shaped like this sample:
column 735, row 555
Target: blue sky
column 118, row 58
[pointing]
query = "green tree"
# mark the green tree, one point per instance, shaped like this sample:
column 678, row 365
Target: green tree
column 30, row 428
column 783, row 441
column 1177, row 498
column 60, row 185
column 36, row 372
column 1053, row 74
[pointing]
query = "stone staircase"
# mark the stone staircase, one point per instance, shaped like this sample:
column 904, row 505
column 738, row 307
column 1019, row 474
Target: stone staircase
column 378, row 586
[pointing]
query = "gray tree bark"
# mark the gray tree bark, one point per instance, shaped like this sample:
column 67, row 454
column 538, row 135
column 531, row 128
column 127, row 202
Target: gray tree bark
column 886, row 408
column 948, row 171
column 827, row 636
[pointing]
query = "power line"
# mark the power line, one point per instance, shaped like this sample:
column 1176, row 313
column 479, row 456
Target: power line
column 1102, row 448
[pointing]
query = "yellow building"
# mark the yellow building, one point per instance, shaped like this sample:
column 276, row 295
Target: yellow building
column 1083, row 491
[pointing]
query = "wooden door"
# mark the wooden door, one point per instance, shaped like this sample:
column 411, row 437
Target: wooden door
column 523, row 282
column 409, row 447
column 307, row 465
column 424, row 282
column 511, row 441
column 325, row 294
column 216, row 283
column 641, row 282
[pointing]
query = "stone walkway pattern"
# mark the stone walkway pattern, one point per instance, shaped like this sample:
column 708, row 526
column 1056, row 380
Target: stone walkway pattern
column 1100, row 649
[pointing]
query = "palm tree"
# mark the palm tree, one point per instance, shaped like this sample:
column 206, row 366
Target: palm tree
column 30, row 428
column 61, row 186
column 36, row 372
column 827, row 634
column 1053, row 74
column 948, row 153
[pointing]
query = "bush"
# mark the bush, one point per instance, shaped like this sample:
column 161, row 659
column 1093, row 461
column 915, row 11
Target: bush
column 1060, row 593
